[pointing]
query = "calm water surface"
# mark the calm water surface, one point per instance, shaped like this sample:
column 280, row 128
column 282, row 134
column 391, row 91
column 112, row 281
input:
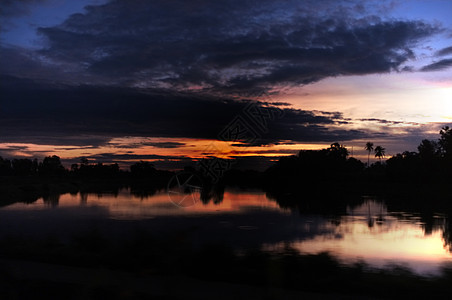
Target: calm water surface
column 244, row 219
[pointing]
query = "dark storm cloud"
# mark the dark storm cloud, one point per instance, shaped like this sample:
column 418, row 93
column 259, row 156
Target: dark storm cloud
column 167, row 145
column 93, row 115
column 229, row 46
column 17, row 61
column 444, row 51
column 438, row 66
column 26, row 63
column 124, row 160
column 14, row 148
column 388, row 122
column 14, row 8
column 33, row 135
column 262, row 152
column 117, row 157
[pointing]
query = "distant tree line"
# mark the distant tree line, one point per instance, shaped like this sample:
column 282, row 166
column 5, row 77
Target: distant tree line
column 51, row 166
column 331, row 164
column 433, row 161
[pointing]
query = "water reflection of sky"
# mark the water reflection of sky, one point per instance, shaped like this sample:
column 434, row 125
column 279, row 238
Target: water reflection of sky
column 125, row 206
column 248, row 219
column 370, row 234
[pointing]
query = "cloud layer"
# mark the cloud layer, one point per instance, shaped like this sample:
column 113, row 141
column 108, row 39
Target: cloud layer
column 438, row 66
column 40, row 113
column 187, row 69
column 227, row 46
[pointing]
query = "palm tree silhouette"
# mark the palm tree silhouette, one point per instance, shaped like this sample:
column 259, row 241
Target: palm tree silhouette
column 380, row 152
column 369, row 147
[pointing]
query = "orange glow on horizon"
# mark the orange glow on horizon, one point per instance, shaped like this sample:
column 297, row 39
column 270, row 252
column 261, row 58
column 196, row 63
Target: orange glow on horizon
column 186, row 148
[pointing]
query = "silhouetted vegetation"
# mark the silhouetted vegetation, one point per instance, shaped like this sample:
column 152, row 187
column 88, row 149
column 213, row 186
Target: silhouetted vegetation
column 29, row 179
column 308, row 172
column 432, row 162
column 369, row 147
column 314, row 166
column 332, row 167
column 380, row 152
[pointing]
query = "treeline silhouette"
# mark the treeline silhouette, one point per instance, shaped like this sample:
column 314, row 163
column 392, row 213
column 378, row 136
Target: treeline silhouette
column 330, row 171
column 331, row 164
column 27, row 180
column 51, row 166
column 432, row 163
column 29, row 167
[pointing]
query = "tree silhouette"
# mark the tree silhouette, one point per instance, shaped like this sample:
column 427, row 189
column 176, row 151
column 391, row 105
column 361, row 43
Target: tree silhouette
column 143, row 168
column 445, row 142
column 369, row 147
column 24, row 166
column 5, row 166
column 338, row 151
column 428, row 149
column 380, row 152
column 51, row 165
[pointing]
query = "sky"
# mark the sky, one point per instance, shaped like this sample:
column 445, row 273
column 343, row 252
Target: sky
column 174, row 81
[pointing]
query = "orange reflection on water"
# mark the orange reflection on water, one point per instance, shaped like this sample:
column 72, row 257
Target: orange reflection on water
column 369, row 233
column 403, row 244
column 126, row 206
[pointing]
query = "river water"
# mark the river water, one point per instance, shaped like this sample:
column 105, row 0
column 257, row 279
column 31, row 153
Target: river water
column 366, row 232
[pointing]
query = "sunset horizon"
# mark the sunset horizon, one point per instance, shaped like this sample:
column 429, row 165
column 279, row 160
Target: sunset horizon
column 225, row 149
column 121, row 82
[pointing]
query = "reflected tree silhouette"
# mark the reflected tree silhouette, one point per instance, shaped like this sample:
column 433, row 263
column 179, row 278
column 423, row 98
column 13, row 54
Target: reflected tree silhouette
column 370, row 219
column 214, row 193
column 83, row 198
column 52, row 200
column 143, row 192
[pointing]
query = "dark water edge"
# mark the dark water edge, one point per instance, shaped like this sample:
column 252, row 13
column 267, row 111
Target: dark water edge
column 29, row 189
column 416, row 195
column 145, row 257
